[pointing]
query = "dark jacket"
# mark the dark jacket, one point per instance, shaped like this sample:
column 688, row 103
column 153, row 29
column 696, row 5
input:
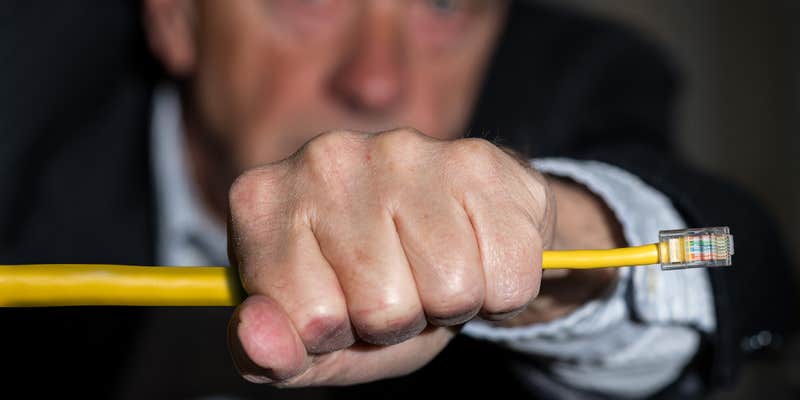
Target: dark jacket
column 76, row 186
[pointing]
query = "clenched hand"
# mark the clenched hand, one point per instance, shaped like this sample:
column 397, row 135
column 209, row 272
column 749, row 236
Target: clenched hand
column 362, row 253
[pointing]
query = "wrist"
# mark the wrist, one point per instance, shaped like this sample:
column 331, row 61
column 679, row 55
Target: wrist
column 583, row 221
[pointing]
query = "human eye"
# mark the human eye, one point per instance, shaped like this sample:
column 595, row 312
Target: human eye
column 444, row 7
column 444, row 21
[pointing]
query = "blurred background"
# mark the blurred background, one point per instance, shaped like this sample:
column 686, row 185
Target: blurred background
column 738, row 116
column 739, row 112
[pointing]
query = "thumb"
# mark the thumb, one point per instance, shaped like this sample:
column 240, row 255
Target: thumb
column 362, row 362
column 266, row 348
column 263, row 342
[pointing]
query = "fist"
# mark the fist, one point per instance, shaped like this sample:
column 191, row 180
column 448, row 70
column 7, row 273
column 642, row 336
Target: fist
column 363, row 253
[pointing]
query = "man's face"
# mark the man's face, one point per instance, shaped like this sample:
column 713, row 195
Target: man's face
column 265, row 76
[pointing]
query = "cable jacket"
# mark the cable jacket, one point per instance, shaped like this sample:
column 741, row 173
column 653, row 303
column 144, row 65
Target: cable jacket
column 587, row 259
column 121, row 285
column 47, row 285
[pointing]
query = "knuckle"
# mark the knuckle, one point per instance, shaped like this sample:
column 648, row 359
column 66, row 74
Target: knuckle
column 244, row 191
column 398, row 142
column 388, row 325
column 451, row 306
column 405, row 134
column 254, row 191
column 458, row 294
column 473, row 150
column 331, row 155
column 506, row 304
column 326, row 330
column 252, row 279
column 329, row 145
column 252, row 195
column 474, row 159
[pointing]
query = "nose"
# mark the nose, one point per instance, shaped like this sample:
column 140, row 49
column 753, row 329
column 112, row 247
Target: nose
column 370, row 78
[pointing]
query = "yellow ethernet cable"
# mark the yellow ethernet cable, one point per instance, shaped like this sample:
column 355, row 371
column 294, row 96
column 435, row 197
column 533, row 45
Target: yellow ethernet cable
column 52, row 285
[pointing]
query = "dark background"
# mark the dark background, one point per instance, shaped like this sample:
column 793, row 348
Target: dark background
column 738, row 116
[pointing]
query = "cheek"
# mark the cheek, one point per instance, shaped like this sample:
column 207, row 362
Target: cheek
column 437, row 109
column 232, row 74
column 448, row 80
column 251, row 91
column 443, row 101
column 276, row 120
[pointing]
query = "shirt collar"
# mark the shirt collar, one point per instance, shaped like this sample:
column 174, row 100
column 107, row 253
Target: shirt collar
column 187, row 234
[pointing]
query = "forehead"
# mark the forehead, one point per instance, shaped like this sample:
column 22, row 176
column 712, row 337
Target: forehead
column 328, row 10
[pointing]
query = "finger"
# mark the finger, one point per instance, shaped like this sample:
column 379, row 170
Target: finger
column 278, row 256
column 511, row 257
column 511, row 253
column 507, row 205
column 440, row 245
column 263, row 342
column 361, row 244
column 365, row 363
column 307, row 289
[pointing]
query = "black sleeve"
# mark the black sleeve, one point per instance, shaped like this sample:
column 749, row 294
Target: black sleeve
column 575, row 88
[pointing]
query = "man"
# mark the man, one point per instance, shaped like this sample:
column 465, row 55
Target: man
column 367, row 231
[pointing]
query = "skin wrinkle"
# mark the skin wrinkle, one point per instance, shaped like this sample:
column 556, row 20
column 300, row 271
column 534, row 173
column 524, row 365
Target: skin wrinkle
column 330, row 334
column 339, row 330
column 341, row 335
column 395, row 330
column 507, row 288
column 393, row 215
column 324, row 159
column 481, row 250
column 508, row 247
column 261, row 255
column 403, row 329
column 448, row 276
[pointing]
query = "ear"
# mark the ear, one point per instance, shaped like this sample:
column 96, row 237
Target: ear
column 170, row 28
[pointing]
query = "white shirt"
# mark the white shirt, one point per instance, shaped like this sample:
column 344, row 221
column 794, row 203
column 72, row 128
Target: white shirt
column 631, row 342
